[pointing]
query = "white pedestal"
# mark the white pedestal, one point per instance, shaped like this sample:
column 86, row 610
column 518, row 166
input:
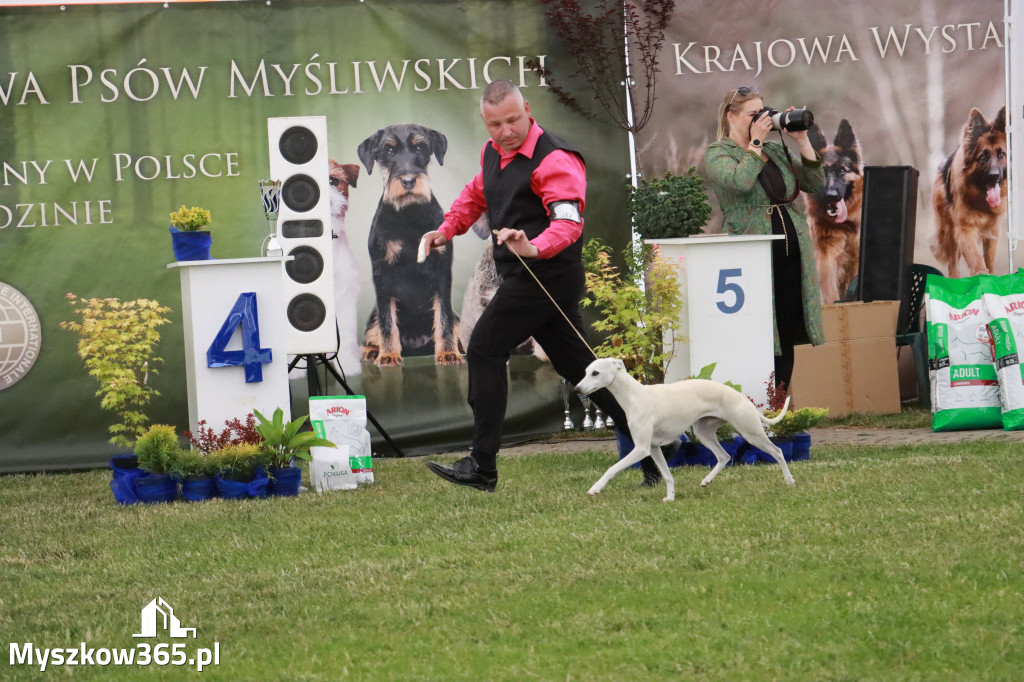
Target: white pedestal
column 210, row 290
column 725, row 282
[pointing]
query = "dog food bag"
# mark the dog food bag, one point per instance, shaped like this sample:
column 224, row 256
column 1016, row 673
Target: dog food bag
column 1005, row 303
column 965, row 389
column 330, row 469
column 342, row 420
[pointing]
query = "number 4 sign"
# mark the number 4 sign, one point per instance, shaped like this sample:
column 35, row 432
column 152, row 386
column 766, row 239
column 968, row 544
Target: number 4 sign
column 243, row 314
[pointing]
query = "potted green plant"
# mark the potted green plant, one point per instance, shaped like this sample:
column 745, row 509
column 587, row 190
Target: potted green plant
column 794, row 426
column 789, row 433
column 117, row 341
column 284, row 442
column 242, row 471
column 195, row 470
column 189, row 240
column 156, row 451
column 637, row 322
column 670, row 207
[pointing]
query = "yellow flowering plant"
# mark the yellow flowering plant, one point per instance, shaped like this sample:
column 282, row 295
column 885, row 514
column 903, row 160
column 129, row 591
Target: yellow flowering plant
column 190, row 219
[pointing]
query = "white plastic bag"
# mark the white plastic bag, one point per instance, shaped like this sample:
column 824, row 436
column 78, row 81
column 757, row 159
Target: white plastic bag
column 330, row 469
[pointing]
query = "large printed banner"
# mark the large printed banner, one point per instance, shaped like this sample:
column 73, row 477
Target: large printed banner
column 918, row 83
column 112, row 116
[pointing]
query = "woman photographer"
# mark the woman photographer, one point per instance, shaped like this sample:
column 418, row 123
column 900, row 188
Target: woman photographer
column 756, row 181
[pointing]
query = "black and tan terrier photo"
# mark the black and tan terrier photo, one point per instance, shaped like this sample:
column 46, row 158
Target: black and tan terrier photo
column 412, row 314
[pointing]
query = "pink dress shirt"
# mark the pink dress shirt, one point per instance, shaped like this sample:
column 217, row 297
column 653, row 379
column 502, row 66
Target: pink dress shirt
column 560, row 176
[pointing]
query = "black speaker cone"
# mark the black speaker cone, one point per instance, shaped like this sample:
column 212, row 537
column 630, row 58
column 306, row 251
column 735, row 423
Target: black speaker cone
column 300, row 193
column 306, row 312
column 307, row 266
column 298, row 145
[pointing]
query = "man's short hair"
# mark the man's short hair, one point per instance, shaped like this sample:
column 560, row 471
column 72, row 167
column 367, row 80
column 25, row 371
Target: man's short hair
column 496, row 92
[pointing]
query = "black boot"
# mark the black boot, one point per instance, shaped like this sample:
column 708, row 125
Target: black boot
column 651, row 474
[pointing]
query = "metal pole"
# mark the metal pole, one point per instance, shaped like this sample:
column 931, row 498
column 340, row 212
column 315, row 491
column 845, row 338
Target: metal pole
column 1013, row 42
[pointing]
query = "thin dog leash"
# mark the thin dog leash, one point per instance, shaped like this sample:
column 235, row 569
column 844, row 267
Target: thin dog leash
column 552, row 298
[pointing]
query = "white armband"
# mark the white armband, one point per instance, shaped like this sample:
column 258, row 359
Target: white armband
column 565, row 210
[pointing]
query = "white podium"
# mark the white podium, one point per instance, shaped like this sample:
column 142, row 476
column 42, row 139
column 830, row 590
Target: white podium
column 725, row 282
column 236, row 360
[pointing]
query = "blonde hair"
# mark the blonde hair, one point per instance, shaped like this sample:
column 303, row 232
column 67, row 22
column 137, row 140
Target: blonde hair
column 733, row 100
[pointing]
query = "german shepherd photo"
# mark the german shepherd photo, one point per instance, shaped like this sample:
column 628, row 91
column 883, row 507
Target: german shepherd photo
column 833, row 213
column 970, row 197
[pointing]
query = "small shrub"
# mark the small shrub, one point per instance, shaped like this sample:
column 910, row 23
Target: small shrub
column 639, row 324
column 672, row 206
column 116, row 341
column 235, row 431
column 240, row 459
column 192, row 462
column 157, row 449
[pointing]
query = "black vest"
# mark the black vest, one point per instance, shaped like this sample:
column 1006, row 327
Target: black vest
column 511, row 203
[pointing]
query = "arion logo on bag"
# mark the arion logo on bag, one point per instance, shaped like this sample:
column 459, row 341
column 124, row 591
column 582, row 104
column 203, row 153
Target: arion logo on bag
column 338, row 410
column 20, row 336
column 158, row 613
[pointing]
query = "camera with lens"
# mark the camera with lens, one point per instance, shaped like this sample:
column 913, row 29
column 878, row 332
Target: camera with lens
column 792, row 120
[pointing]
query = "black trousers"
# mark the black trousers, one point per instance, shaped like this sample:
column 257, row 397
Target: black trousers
column 519, row 310
column 787, row 286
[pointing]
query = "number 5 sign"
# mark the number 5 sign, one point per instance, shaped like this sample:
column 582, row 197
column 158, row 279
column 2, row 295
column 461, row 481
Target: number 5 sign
column 236, row 360
column 727, row 319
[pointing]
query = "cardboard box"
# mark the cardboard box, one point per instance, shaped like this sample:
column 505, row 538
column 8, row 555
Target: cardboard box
column 857, row 320
column 859, row 375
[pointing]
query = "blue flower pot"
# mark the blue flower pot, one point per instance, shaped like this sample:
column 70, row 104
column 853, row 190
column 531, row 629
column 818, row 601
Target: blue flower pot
column 748, row 454
column 125, row 472
column 156, row 488
column 193, row 245
column 801, row 447
column 703, row 456
column 197, row 489
column 285, row 481
column 239, row 490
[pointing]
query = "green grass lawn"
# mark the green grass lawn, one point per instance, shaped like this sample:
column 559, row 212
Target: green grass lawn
column 881, row 564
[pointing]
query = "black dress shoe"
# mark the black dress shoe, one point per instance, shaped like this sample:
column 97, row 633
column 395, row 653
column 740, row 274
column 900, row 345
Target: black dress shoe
column 466, row 472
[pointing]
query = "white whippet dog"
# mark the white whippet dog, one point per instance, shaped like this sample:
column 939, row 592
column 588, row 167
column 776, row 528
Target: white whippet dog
column 659, row 415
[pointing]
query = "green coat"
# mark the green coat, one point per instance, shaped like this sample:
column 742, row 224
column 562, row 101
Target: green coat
column 733, row 173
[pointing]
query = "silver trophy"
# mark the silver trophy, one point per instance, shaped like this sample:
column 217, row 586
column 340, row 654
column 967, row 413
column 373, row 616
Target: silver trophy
column 598, row 418
column 270, row 192
column 588, row 423
column 566, row 390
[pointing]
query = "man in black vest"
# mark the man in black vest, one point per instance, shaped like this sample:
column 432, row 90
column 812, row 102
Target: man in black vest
column 532, row 185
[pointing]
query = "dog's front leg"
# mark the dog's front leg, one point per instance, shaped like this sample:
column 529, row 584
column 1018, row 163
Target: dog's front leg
column 666, row 473
column 971, row 251
column 390, row 342
column 988, row 245
column 827, row 281
column 446, row 340
column 635, row 455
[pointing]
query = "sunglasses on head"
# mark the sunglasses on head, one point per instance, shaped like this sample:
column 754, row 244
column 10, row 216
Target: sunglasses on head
column 744, row 91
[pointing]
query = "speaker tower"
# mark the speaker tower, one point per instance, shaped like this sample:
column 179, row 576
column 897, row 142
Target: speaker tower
column 298, row 158
column 887, row 229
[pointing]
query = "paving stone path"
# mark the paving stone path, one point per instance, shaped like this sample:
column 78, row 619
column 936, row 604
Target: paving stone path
column 834, row 436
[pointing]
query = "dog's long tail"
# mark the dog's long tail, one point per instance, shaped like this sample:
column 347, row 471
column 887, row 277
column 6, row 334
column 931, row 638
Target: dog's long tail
column 777, row 418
